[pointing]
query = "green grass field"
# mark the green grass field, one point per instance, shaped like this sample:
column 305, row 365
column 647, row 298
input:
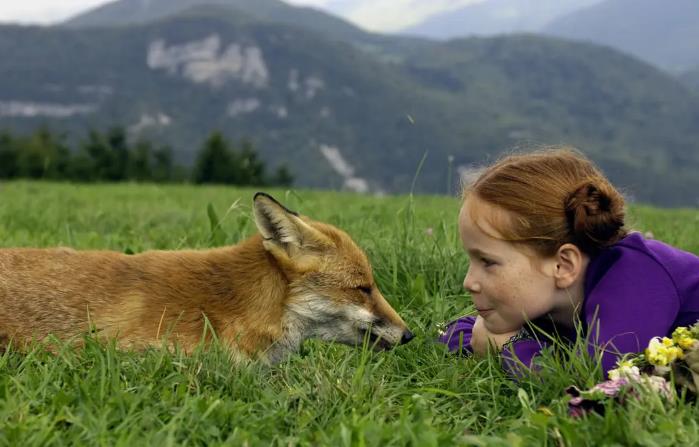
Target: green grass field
column 327, row 394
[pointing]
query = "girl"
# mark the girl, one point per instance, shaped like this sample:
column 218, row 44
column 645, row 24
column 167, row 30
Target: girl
column 547, row 245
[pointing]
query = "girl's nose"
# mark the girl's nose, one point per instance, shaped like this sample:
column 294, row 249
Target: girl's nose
column 470, row 284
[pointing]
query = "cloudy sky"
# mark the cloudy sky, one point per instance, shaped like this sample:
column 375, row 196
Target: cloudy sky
column 377, row 15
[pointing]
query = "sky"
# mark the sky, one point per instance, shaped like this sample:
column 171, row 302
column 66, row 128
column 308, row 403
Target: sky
column 374, row 15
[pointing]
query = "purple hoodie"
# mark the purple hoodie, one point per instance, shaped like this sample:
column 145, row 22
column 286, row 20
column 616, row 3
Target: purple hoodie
column 635, row 290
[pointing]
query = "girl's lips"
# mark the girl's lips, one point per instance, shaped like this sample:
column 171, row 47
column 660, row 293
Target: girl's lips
column 483, row 312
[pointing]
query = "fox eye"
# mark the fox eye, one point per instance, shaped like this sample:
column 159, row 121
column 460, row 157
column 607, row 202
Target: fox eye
column 365, row 289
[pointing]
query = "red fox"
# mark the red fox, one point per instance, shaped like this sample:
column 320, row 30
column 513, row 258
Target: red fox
column 296, row 279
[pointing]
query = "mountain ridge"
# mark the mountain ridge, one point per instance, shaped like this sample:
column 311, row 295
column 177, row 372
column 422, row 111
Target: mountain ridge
column 339, row 115
column 494, row 17
column 662, row 33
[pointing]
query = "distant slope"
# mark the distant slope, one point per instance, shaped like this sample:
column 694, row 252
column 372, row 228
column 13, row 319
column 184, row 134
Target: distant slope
column 339, row 115
column 492, row 17
column 691, row 78
column 664, row 33
column 533, row 89
column 125, row 12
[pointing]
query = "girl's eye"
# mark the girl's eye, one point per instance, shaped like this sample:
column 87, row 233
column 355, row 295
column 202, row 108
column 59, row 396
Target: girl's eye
column 487, row 262
column 365, row 290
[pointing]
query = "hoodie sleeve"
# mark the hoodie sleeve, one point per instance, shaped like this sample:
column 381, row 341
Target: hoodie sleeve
column 634, row 300
column 457, row 335
column 518, row 352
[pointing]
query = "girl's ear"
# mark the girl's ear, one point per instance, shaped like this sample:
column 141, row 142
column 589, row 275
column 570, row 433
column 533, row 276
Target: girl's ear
column 570, row 265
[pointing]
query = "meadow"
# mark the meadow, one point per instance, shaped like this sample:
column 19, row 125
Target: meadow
column 327, row 394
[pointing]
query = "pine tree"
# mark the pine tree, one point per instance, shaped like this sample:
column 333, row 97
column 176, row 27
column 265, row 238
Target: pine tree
column 214, row 163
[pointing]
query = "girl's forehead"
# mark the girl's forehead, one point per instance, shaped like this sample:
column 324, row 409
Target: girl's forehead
column 485, row 228
column 490, row 220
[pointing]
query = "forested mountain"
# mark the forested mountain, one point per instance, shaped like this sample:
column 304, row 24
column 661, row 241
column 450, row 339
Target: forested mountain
column 338, row 115
column 127, row 12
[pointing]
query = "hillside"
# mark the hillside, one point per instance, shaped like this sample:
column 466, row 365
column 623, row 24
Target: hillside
column 128, row 12
column 691, row 78
column 176, row 80
column 125, row 12
column 663, row 33
column 528, row 89
column 492, row 17
column 340, row 116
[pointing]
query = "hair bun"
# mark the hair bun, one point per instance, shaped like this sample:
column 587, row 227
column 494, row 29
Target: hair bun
column 595, row 216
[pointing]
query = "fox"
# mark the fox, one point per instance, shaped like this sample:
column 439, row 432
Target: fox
column 293, row 280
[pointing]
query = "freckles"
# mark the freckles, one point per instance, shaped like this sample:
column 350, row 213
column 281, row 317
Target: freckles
column 520, row 284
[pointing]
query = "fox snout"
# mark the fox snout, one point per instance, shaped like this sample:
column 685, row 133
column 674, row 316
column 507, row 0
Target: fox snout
column 380, row 343
column 389, row 326
column 386, row 328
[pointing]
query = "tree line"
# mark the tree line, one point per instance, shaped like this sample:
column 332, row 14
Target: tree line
column 111, row 157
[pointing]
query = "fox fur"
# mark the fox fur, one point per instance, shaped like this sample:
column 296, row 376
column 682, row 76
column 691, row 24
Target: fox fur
column 296, row 279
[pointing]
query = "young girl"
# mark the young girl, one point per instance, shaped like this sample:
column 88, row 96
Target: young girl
column 547, row 245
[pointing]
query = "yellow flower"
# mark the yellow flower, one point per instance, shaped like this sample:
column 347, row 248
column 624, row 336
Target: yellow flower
column 662, row 352
column 686, row 342
column 681, row 332
column 683, row 338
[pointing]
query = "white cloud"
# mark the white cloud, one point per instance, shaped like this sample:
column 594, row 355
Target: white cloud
column 316, row 3
column 385, row 15
column 43, row 11
column 393, row 15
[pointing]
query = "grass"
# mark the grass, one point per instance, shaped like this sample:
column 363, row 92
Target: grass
column 327, row 394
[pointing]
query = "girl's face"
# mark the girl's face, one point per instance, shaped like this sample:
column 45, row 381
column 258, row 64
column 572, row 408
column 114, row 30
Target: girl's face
column 508, row 283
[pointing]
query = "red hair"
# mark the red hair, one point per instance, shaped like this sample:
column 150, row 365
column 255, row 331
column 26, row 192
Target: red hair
column 551, row 197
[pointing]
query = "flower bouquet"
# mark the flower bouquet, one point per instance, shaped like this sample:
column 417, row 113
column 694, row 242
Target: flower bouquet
column 665, row 361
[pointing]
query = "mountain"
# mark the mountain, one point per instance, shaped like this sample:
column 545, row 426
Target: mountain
column 532, row 89
column 129, row 12
column 126, row 12
column 338, row 115
column 491, row 17
column 691, row 78
column 665, row 33
column 293, row 92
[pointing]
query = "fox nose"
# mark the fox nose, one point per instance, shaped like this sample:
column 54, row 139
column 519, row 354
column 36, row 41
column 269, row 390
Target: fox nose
column 407, row 336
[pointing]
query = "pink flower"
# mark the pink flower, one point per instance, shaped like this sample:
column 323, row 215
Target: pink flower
column 611, row 388
column 593, row 399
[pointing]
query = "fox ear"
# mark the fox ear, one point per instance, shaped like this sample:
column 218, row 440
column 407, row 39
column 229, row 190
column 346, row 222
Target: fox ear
column 283, row 229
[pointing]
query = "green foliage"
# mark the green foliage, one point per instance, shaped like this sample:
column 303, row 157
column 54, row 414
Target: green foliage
column 108, row 154
column 108, row 157
column 326, row 394
column 218, row 237
column 41, row 155
column 215, row 163
column 111, row 157
column 218, row 162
